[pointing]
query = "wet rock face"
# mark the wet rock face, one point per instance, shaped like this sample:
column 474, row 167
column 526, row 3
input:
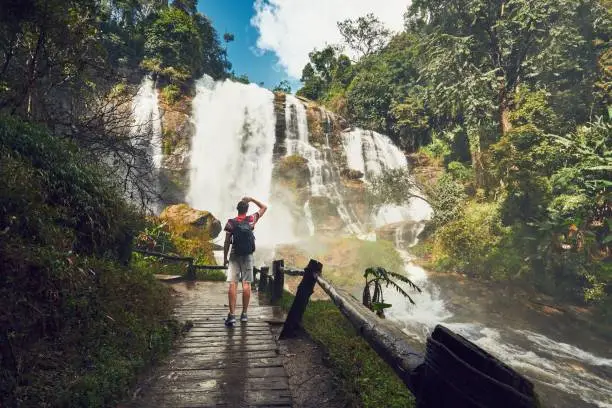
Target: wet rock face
column 293, row 170
column 352, row 174
column 177, row 131
column 325, row 215
column 191, row 222
column 280, row 130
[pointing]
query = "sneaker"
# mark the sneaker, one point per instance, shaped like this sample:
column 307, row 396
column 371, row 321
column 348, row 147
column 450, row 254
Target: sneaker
column 230, row 321
column 243, row 317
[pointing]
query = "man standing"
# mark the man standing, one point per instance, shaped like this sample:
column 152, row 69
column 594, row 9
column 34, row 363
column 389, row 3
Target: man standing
column 239, row 234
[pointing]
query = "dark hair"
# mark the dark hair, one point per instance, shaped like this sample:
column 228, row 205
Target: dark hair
column 242, row 207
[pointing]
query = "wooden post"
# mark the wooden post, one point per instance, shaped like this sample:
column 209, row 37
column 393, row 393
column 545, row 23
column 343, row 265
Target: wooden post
column 305, row 289
column 279, row 281
column 263, row 278
column 191, row 273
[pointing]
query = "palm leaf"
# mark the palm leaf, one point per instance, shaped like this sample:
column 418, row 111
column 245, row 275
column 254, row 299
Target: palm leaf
column 404, row 279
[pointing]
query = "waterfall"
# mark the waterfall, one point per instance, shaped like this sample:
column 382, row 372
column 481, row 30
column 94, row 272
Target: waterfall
column 371, row 153
column 322, row 180
column 232, row 155
column 308, row 215
column 147, row 130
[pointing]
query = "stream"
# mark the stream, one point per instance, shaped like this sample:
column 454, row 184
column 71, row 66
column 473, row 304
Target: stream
column 546, row 344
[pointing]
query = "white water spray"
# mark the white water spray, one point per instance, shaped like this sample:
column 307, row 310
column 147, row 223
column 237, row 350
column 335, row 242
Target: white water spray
column 232, row 151
column 147, row 121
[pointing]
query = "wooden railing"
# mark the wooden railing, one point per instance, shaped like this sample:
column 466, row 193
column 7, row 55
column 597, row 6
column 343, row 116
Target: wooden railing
column 453, row 372
column 191, row 265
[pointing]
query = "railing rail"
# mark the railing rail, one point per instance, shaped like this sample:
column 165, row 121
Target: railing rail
column 191, row 265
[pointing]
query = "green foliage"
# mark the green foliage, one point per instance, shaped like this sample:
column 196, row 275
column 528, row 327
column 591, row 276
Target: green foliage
column 471, row 244
column 171, row 94
column 460, row 171
column 79, row 324
column 283, row 86
column 376, row 277
column 325, row 70
column 79, row 194
column 393, row 186
column 365, row 35
column 210, row 275
column 184, row 43
column 364, row 374
column 243, row 79
column 447, row 200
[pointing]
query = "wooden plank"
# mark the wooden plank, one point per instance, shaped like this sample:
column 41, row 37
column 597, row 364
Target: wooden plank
column 185, row 349
column 248, row 360
column 218, row 334
column 233, row 331
column 207, row 374
column 225, row 383
column 254, row 359
column 215, row 399
column 233, row 343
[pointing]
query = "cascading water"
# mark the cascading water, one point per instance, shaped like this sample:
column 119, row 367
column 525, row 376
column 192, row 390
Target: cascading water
column 322, row 184
column 147, row 125
column 549, row 363
column 371, row 153
column 232, row 155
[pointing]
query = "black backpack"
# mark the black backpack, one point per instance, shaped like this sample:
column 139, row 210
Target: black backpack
column 243, row 239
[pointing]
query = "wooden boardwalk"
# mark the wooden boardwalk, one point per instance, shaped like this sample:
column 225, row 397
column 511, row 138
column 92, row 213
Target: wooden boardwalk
column 218, row 366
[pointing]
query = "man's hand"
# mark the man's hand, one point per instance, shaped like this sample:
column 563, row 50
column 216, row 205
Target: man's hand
column 225, row 262
column 247, row 199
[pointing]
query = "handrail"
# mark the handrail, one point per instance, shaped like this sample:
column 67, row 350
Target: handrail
column 191, row 266
column 387, row 340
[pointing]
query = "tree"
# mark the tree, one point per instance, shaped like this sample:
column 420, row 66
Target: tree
column 476, row 53
column 364, row 36
column 188, row 6
column 228, row 37
column 283, row 86
column 325, row 69
column 184, row 45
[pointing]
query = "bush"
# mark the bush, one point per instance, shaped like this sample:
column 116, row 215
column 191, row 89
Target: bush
column 475, row 244
column 171, row 94
column 76, row 325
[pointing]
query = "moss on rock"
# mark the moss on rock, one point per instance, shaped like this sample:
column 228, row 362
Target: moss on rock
column 190, row 223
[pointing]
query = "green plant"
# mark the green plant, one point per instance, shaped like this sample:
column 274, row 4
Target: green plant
column 375, row 277
column 171, row 94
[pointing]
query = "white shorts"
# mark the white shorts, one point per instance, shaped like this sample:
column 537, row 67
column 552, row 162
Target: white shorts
column 240, row 268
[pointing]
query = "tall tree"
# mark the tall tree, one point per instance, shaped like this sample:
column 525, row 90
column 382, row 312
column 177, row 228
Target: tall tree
column 478, row 52
column 365, row 35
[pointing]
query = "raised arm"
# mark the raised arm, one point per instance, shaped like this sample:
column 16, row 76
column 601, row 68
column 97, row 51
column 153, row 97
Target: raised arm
column 262, row 207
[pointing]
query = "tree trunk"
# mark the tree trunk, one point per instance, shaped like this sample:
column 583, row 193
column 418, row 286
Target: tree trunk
column 504, row 115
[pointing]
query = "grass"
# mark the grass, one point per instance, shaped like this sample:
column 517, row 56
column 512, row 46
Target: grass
column 210, row 275
column 364, row 374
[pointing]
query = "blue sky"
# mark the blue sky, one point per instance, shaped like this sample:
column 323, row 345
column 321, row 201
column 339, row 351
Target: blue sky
column 273, row 37
column 234, row 16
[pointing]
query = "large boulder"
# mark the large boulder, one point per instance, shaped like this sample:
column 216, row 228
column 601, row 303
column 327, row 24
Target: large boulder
column 191, row 223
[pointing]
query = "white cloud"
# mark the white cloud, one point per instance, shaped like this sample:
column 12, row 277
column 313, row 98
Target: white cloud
column 293, row 28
